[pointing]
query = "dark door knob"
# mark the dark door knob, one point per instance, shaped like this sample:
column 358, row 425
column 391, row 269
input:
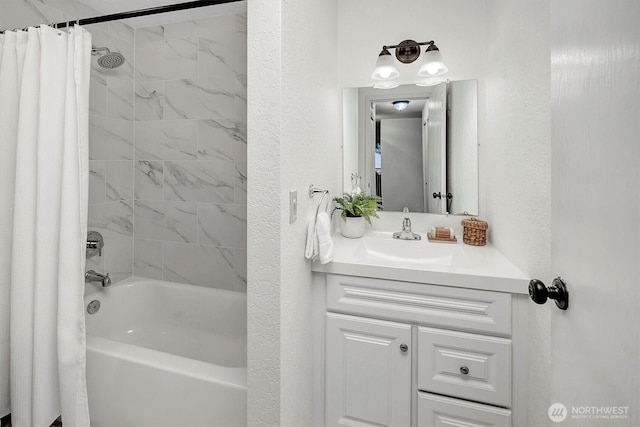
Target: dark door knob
column 539, row 293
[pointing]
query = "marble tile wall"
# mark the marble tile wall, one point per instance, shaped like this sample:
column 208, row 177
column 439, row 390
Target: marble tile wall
column 190, row 153
column 111, row 158
column 167, row 145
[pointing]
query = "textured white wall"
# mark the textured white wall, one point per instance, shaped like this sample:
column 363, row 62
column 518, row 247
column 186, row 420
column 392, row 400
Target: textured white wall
column 294, row 137
column 310, row 153
column 263, row 211
column 457, row 27
column 515, row 170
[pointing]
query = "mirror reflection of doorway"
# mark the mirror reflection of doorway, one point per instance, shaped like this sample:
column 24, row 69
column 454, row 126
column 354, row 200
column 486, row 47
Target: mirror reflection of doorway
column 410, row 152
column 449, row 151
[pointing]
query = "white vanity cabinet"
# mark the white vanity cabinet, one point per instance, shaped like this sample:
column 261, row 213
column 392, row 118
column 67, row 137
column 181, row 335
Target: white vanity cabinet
column 414, row 354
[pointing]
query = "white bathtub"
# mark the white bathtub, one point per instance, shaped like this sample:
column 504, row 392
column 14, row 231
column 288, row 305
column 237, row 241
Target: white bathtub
column 166, row 354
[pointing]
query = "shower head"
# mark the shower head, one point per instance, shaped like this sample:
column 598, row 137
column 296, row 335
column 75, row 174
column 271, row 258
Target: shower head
column 111, row 60
column 108, row 59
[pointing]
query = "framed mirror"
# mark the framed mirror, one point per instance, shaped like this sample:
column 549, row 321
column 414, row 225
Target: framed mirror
column 414, row 147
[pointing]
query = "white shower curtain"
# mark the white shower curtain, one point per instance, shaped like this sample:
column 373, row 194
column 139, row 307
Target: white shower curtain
column 44, row 95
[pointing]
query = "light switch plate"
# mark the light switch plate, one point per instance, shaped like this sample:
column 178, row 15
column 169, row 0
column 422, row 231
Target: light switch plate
column 293, row 206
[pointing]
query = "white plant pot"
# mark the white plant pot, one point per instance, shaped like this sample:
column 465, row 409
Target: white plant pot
column 352, row 228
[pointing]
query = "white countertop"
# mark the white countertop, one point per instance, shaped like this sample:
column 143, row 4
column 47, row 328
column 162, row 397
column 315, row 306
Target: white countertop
column 377, row 255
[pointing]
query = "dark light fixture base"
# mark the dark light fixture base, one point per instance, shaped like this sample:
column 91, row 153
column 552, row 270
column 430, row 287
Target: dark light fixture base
column 407, row 51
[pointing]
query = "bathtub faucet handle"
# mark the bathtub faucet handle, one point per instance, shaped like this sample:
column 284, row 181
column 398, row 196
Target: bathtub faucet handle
column 95, row 243
column 92, row 276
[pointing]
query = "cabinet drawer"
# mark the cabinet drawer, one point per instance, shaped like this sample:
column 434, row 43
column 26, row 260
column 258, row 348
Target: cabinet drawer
column 469, row 366
column 440, row 411
column 459, row 308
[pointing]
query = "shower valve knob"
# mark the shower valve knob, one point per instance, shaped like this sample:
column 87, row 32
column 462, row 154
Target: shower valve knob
column 95, row 243
column 539, row 293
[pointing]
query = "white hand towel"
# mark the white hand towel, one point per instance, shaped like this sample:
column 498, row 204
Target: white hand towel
column 311, row 250
column 323, row 236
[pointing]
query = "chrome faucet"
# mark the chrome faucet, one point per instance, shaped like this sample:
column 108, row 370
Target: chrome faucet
column 92, row 276
column 406, row 233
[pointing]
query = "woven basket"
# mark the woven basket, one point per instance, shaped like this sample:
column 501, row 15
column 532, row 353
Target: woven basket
column 474, row 232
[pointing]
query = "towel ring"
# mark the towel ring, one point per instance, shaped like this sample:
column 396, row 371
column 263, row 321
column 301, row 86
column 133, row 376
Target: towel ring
column 325, row 193
column 313, row 190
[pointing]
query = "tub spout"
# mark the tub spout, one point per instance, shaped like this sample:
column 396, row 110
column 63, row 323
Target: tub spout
column 92, row 276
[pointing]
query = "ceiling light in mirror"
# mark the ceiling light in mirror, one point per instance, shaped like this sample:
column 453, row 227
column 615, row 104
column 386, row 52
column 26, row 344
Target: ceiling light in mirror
column 400, row 105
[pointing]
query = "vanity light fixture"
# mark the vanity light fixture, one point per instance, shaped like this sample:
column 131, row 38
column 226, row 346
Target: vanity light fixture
column 432, row 64
column 407, row 51
column 386, row 84
column 401, row 105
column 385, row 68
column 429, row 82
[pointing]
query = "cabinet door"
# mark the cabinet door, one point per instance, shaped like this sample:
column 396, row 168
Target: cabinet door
column 368, row 372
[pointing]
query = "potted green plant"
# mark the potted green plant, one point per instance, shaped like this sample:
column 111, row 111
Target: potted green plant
column 356, row 209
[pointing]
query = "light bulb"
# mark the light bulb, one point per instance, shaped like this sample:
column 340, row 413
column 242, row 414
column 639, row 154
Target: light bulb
column 432, row 68
column 385, row 68
column 432, row 64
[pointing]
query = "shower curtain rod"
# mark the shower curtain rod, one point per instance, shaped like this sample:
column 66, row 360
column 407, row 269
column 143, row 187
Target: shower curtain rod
column 140, row 12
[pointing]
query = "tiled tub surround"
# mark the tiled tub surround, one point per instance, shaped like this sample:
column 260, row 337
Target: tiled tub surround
column 111, row 152
column 168, row 142
column 190, row 151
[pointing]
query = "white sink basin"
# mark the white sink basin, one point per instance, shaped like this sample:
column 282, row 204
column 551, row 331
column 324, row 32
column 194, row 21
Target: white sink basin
column 377, row 254
column 412, row 252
